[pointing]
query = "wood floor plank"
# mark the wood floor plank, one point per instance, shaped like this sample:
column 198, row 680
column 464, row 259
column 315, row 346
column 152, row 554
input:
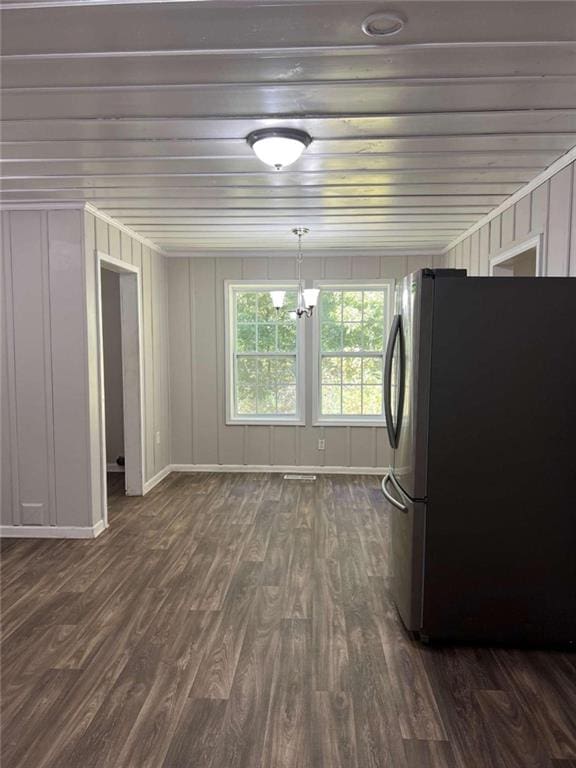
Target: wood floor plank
column 334, row 736
column 329, row 640
column 521, row 748
column 216, row 674
column 245, row 621
column 244, row 725
column 288, row 737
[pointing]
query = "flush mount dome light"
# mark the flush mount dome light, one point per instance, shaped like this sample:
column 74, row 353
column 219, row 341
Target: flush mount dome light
column 278, row 147
column 383, row 24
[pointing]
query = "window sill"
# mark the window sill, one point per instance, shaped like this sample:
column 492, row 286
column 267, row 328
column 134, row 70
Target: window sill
column 265, row 423
column 348, row 423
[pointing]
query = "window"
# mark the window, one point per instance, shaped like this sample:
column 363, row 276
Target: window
column 264, row 373
column 352, row 328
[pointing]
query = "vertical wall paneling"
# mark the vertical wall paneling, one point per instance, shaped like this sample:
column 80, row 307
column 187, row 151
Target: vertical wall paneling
column 550, row 210
column 523, row 217
column 559, row 224
column 51, row 398
column 572, row 268
column 69, row 368
column 10, row 481
column 181, row 359
column 51, row 370
column 205, row 390
column 29, row 297
column 508, row 226
column 230, row 437
column 197, row 367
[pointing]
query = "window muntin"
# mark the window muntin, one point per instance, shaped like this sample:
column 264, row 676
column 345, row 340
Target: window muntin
column 264, row 385
column 352, row 326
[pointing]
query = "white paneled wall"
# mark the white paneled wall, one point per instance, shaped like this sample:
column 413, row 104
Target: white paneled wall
column 50, row 388
column 549, row 209
column 199, row 432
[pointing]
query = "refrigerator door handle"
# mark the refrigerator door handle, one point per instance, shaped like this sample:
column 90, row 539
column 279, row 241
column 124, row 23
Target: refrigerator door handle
column 393, row 428
column 388, row 381
column 388, row 478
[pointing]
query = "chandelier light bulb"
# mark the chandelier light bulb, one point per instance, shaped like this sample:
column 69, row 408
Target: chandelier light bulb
column 277, row 299
column 311, row 296
column 278, row 147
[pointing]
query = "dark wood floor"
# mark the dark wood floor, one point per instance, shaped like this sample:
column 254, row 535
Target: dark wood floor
column 242, row 621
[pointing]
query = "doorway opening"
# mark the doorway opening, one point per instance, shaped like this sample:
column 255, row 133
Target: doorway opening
column 521, row 261
column 113, row 384
column 120, row 364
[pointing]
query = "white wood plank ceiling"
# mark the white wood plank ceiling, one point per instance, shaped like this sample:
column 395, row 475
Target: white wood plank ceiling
column 142, row 108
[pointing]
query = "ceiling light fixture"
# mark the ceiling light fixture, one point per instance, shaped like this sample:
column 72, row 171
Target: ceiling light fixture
column 278, row 147
column 307, row 298
column 383, row 24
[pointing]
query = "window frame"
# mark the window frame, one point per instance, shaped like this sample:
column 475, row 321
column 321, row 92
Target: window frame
column 346, row 285
column 232, row 418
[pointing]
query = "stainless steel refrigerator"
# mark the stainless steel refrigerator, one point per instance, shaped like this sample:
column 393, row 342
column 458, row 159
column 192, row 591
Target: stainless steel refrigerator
column 480, row 401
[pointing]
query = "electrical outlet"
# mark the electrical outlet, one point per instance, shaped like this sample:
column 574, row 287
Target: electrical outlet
column 321, row 445
column 157, row 438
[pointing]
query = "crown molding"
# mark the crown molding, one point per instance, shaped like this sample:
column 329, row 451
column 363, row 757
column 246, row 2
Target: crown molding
column 89, row 208
column 552, row 170
column 327, row 253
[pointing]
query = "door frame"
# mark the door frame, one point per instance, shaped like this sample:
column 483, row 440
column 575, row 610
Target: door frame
column 132, row 374
column 536, row 242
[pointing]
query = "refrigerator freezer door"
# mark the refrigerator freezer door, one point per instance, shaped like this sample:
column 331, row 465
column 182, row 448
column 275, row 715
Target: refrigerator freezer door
column 410, row 369
column 407, row 553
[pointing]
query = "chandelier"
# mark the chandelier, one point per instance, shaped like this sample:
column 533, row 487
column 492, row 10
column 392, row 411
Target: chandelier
column 307, row 298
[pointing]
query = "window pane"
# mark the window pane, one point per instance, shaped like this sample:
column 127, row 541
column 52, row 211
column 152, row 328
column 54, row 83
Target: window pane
column 246, row 307
column 372, row 371
column 266, row 400
column 246, row 400
column 246, row 338
column 352, row 337
column 331, row 306
column 287, row 400
column 352, row 370
column 331, row 400
column 287, row 337
column 266, row 311
column 266, row 372
column 331, row 337
column 266, row 337
column 246, row 370
column 286, row 370
column 331, row 370
column 374, row 305
column 373, row 340
column 352, row 306
column 372, row 401
column 351, row 400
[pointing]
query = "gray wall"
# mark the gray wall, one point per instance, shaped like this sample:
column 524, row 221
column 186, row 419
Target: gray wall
column 46, row 456
column 549, row 209
column 112, row 354
column 199, row 432
column 50, row 390
column 109, row 239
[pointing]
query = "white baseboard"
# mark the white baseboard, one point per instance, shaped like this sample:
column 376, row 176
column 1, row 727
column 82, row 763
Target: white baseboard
column 51, row 531
column 149, row 484
column 114, row 468
column 277, row 468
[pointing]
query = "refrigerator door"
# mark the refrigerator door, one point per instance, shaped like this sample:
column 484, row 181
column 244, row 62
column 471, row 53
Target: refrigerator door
column 407, row 521
column 407, row 375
